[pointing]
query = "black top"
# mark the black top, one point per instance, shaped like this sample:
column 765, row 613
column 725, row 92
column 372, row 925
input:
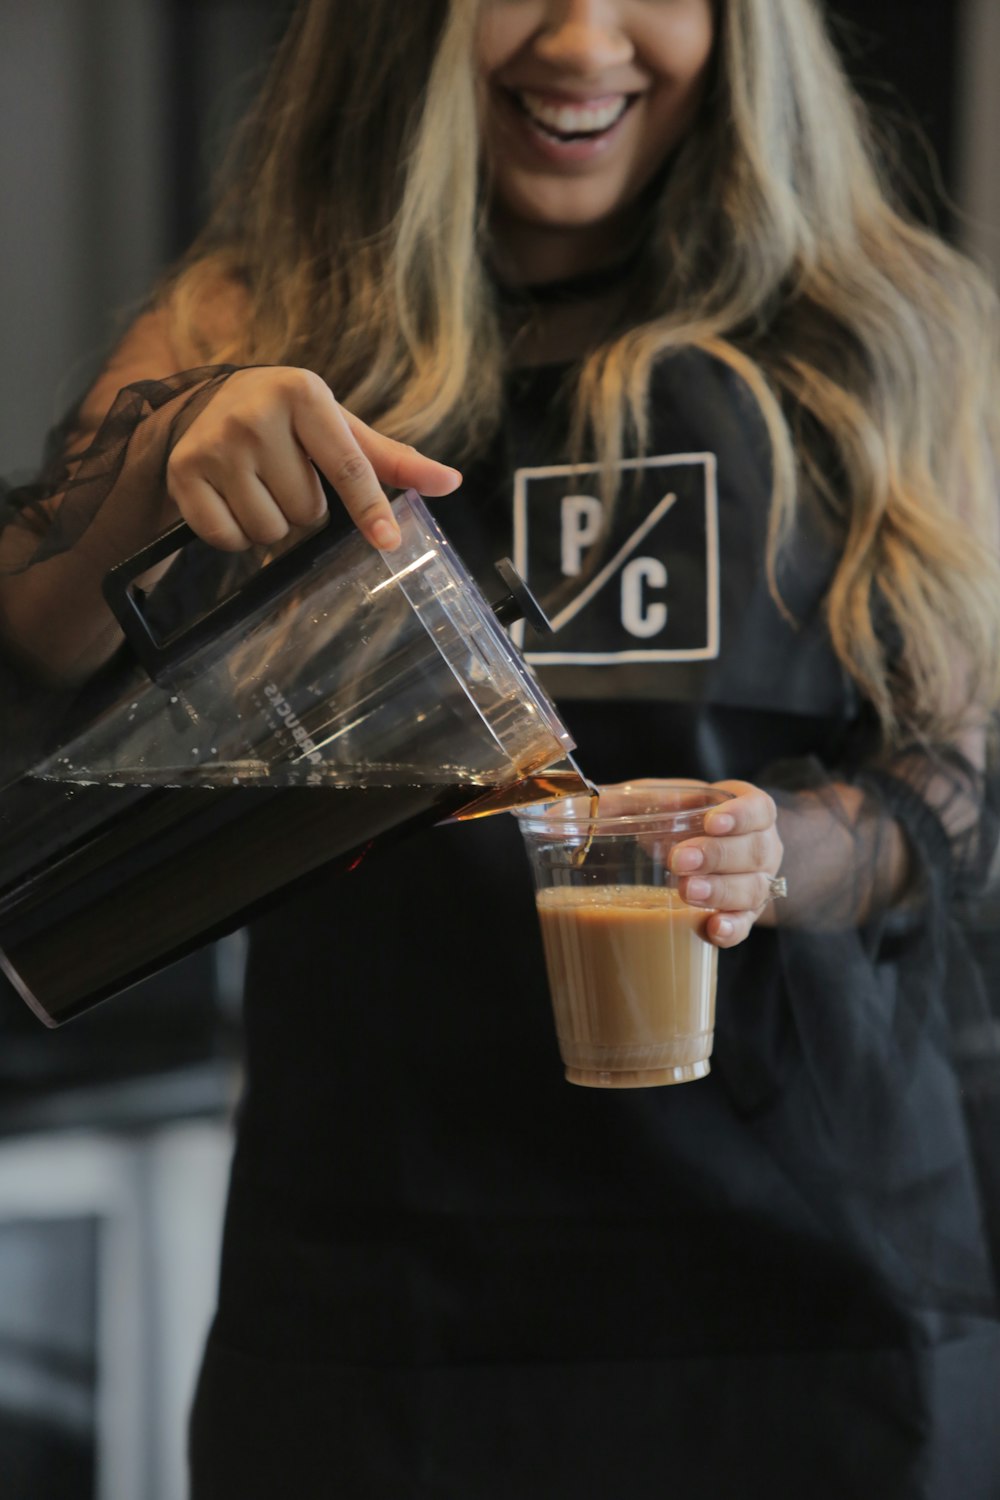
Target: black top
column 447, row 1272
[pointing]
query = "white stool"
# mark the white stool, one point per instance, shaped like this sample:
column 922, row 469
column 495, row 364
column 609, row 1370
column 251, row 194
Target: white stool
column 157, row 1197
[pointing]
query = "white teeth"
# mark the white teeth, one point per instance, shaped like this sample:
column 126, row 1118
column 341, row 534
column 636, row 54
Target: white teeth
column 574, row 119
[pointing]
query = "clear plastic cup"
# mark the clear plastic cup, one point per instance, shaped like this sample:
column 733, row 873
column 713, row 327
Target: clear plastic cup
column 631, row 974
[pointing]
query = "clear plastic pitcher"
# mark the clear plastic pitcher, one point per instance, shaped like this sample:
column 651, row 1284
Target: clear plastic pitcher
column 340, row 698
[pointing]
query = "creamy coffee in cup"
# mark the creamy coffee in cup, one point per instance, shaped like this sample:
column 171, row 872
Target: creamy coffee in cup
column 631, row 974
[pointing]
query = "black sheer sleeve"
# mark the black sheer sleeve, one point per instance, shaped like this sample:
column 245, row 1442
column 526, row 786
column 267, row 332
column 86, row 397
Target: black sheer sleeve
column 127, row 454
column 100, row 496
column 887, row 992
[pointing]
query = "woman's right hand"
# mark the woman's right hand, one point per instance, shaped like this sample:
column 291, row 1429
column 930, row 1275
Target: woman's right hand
column 243, row 472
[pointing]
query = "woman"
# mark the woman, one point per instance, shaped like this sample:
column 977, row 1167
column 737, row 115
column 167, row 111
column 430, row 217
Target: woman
column 600, row 252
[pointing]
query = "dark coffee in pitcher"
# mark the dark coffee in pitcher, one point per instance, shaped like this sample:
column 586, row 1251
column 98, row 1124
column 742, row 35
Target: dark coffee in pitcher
column 128, row 899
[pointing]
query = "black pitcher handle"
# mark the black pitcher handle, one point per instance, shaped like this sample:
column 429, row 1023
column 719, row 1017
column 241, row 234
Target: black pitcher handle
column 160, row 657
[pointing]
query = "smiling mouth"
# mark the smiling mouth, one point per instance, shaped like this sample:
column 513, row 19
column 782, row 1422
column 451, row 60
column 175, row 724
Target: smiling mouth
column 564, row 122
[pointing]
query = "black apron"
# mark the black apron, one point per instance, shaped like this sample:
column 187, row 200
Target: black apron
column 449, row 1273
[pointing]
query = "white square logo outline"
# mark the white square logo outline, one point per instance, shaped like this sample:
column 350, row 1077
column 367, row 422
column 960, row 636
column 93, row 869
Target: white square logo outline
column 710, row 650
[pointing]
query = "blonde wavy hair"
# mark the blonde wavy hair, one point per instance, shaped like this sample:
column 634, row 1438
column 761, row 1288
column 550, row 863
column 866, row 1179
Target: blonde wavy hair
column 356, row 220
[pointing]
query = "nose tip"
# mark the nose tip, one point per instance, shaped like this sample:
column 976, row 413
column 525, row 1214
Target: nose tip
column 584, row 44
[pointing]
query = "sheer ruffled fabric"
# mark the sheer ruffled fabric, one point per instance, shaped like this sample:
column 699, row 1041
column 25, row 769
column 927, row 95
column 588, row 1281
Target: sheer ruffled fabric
column 893, row 1011
column 890, row 1003
column 92, row 485
column 84, row 472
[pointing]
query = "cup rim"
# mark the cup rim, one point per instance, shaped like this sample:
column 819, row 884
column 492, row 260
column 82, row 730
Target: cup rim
column 569, row 814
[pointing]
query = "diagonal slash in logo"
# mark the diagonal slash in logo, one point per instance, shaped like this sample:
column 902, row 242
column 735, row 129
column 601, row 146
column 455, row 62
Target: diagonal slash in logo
column 597, row 583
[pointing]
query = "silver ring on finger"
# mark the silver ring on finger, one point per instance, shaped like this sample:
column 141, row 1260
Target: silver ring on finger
column 777, row 888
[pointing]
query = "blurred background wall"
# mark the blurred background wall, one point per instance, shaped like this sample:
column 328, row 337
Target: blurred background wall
column 112, row 115
column 115, row 1134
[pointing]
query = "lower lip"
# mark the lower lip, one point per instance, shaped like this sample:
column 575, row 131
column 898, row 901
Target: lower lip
column 562, row 153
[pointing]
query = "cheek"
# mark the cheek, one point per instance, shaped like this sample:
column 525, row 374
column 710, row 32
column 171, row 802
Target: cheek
column 681, row 88
column 503, row 30
column 680, row 53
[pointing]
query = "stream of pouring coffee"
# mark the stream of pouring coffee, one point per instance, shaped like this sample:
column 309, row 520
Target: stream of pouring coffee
column 564, row 780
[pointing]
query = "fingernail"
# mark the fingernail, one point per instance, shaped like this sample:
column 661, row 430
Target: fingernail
column 724, row 928
column 719, row 823
column 385, row 535
column 698, row 890
column 686, row 860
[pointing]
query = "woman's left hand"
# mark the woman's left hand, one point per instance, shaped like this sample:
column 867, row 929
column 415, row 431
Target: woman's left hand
column 730, row 867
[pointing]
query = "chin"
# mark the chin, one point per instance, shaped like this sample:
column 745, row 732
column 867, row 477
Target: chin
column 568, row 215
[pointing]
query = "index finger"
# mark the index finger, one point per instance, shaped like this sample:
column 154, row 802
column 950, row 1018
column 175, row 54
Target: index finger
column 322, row 428
column 401, row 465
column 751, row 810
